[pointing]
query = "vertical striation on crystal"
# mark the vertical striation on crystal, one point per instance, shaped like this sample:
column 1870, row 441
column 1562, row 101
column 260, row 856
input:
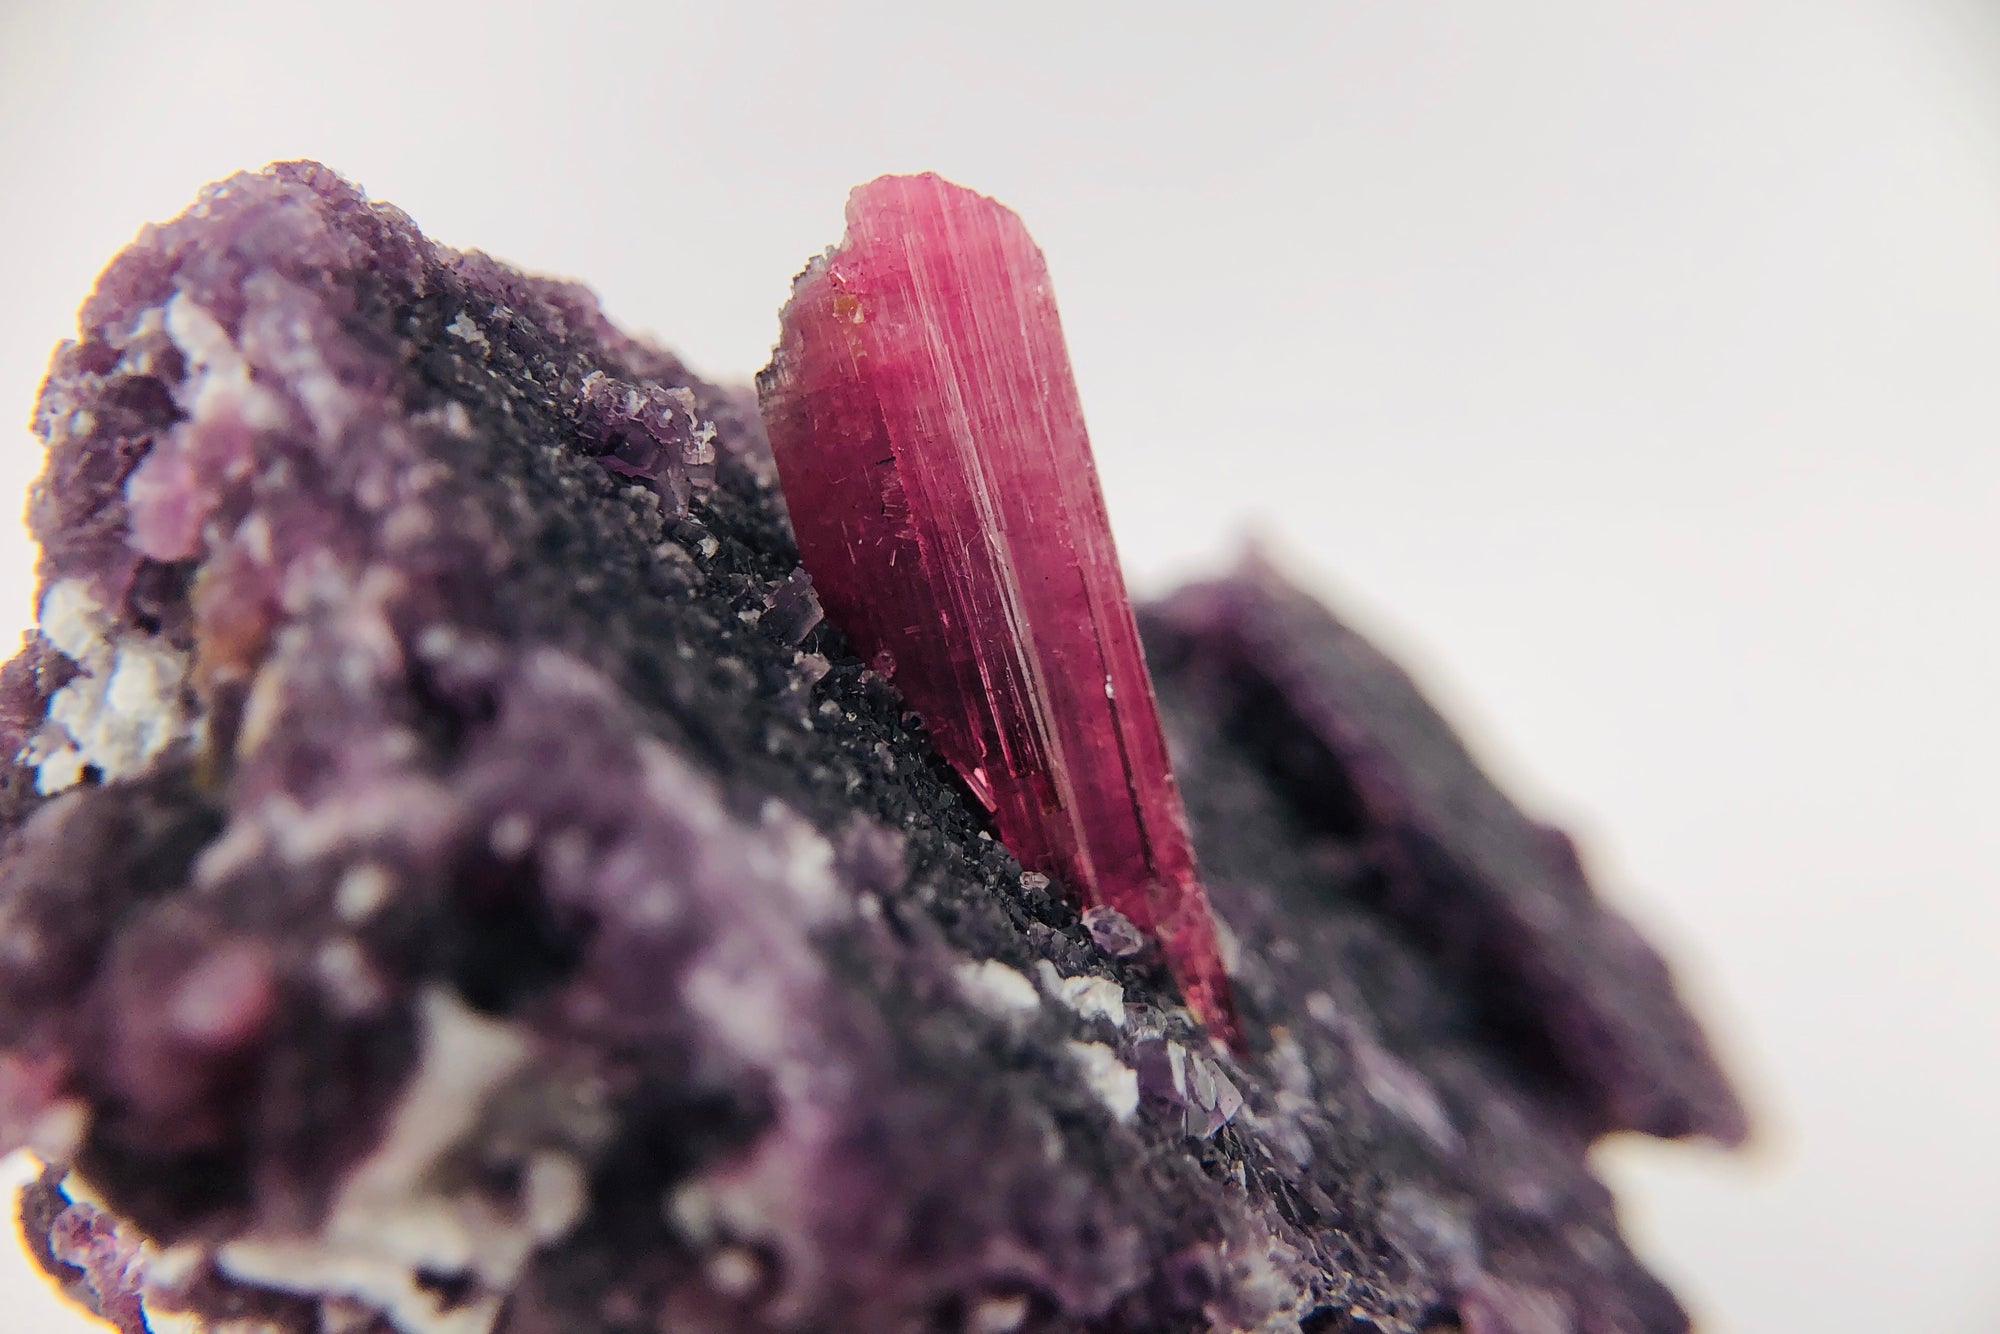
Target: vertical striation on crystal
column 932, row 452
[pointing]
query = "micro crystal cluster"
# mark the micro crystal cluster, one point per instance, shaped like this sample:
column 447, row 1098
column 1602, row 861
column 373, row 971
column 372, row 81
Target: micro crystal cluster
column 455, row 877
column 931, row 446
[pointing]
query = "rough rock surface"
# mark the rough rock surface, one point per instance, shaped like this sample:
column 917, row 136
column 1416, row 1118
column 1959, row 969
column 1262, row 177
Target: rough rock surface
column 454, row 880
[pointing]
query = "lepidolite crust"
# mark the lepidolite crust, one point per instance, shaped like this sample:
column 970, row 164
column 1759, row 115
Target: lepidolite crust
column 455, row 880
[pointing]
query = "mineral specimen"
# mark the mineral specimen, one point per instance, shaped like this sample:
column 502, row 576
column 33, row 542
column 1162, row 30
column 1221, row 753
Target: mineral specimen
column 453, row 880
column 931, row 446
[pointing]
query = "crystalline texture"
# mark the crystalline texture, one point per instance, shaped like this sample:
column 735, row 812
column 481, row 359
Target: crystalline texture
column 508, row 742
column 933, row 455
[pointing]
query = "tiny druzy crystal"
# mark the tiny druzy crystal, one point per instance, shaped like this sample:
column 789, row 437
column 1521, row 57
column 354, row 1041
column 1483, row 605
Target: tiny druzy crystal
column 933, row 455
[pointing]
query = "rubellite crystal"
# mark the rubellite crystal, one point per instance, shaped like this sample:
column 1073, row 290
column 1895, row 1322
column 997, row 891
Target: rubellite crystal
column 933, row 455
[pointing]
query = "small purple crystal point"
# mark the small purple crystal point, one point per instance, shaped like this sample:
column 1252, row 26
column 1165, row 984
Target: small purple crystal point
column 1113, row 932
column 931, row 445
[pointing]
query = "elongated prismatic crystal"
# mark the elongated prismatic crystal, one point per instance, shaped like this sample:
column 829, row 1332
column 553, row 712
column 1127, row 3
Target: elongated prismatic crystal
column 933, row 456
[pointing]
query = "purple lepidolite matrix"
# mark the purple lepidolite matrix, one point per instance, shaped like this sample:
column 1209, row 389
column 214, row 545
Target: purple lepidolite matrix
column 457, row 879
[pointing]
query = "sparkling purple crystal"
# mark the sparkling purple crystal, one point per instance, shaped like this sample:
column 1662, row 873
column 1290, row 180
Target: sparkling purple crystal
column 1113, row 932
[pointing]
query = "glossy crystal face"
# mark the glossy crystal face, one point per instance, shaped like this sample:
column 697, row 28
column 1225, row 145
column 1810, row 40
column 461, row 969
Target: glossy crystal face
column 932, row 450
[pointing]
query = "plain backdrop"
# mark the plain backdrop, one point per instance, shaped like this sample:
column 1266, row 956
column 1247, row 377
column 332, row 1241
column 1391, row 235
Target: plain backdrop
column 1633, row 370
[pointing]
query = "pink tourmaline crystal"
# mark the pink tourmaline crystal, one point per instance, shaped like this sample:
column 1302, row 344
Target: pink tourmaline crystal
column 933, row 456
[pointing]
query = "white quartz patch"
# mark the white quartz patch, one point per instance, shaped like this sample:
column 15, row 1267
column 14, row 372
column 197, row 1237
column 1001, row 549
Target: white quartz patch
column 124, row 707
column 466, row 331
column 1090, row 997
column 1115, row 1083
column 177, row 1322
column 997, row 988
column 75, row 622
column 389, row 1222
column 219, row 380
column 998, row 1315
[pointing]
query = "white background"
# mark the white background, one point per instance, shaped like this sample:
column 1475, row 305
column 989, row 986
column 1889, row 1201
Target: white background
column 1633, row 369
